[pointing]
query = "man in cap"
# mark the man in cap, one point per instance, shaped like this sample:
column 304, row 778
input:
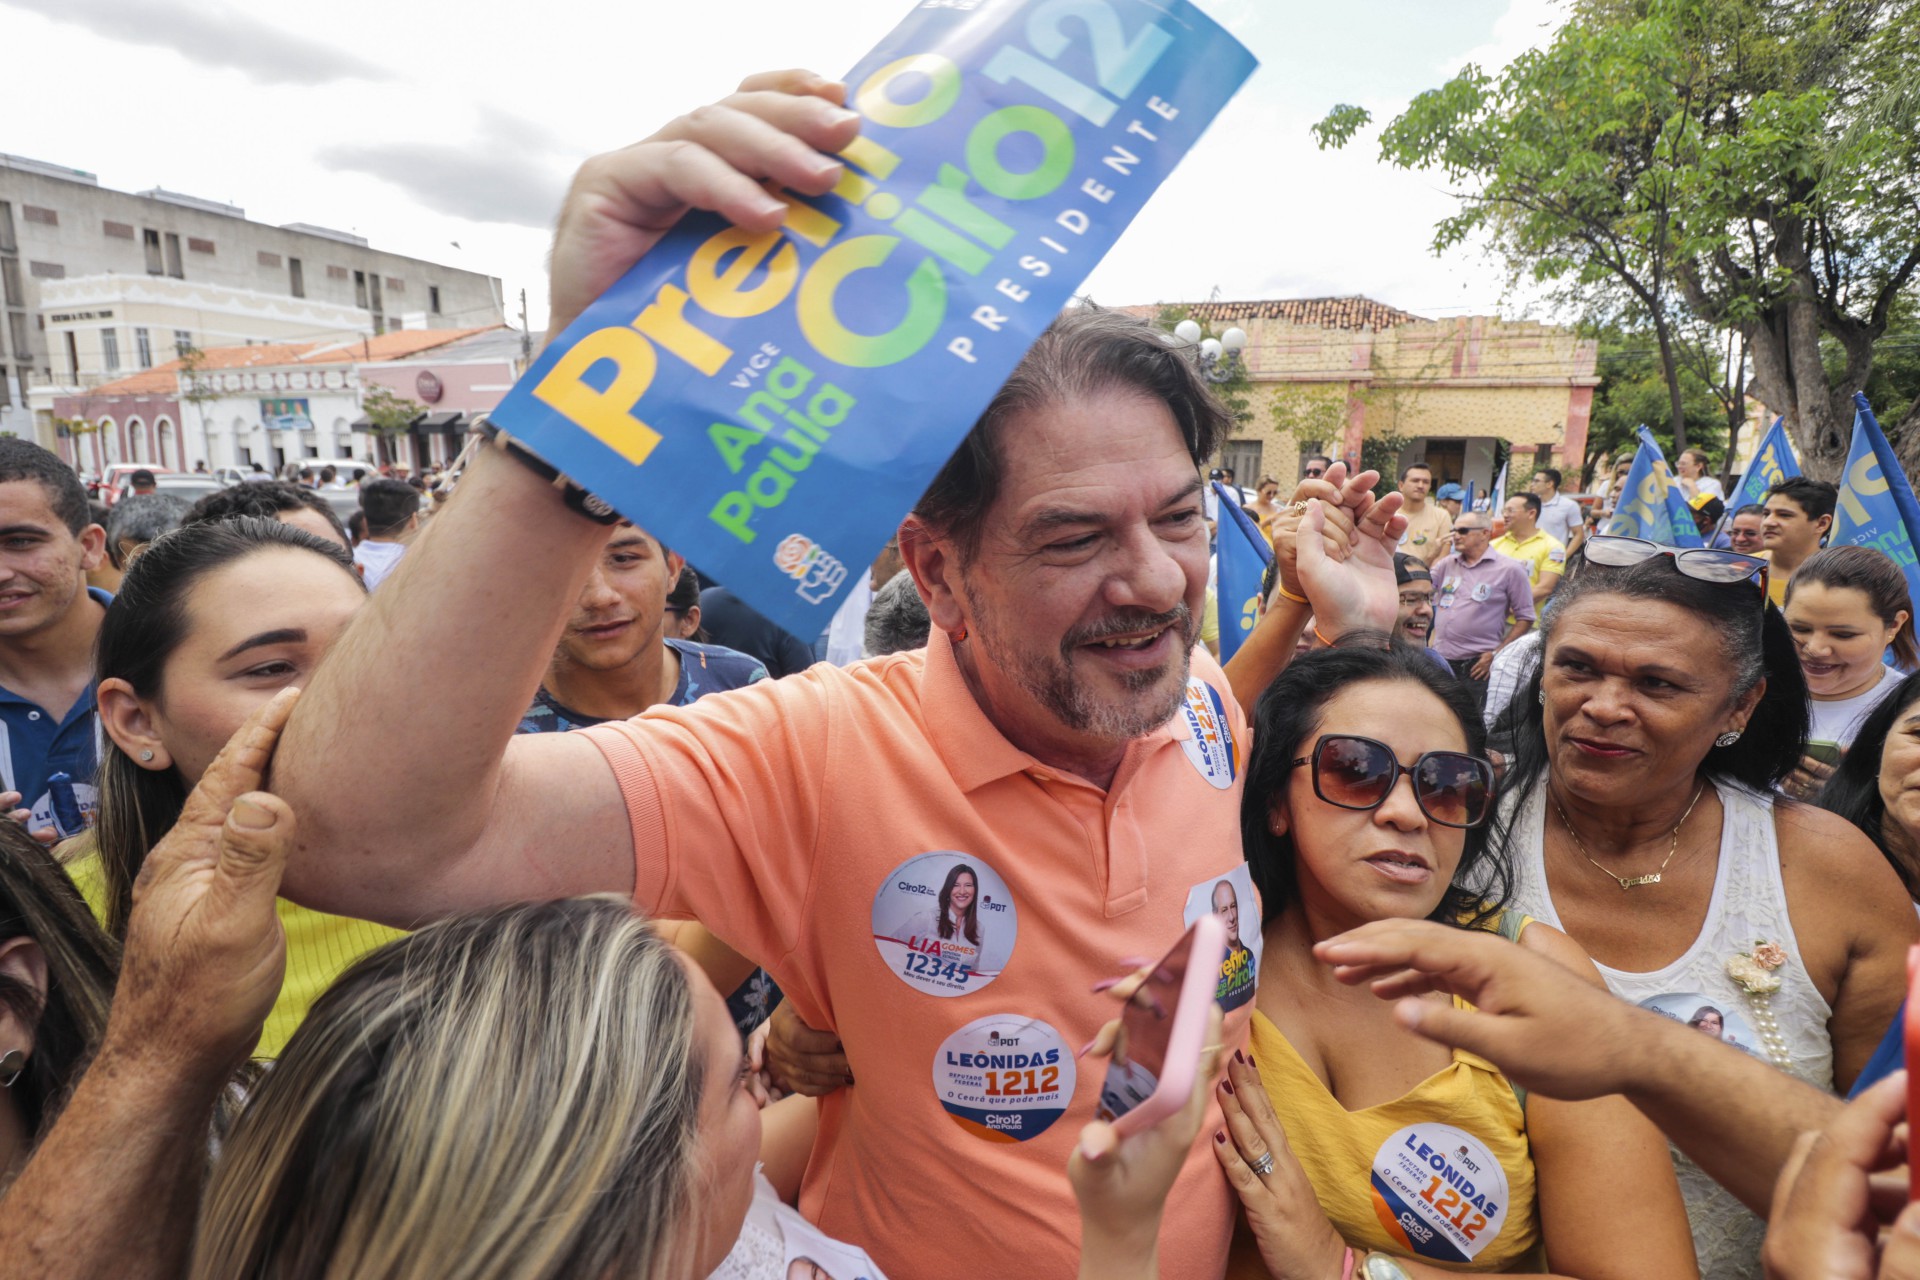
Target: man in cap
column 1415, row 623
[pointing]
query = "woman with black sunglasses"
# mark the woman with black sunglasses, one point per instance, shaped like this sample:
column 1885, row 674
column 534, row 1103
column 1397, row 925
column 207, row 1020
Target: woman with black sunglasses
column 1639, row 816
column 1357, row 1147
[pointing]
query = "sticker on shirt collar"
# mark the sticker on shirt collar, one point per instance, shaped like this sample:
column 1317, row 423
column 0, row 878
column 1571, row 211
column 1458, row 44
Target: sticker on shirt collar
column 1714, row 1017
column 945, row 923
column 1004, row 1078
column 1439, row 1192
column 1232, row 898
column 1209, row 743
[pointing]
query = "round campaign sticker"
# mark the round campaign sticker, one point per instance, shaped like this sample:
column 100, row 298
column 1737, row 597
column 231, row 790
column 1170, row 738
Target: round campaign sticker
column 945, row 923
column 1482, row 590
column 1439, row 1192
column 1209, row 744
column 1004, row 1078
column 1716, row 1018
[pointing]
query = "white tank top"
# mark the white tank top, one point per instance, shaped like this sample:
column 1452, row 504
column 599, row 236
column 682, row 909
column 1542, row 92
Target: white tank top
column 1749, row 905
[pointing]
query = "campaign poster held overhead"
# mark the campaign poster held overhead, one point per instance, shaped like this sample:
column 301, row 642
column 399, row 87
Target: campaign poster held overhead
column 770, row 405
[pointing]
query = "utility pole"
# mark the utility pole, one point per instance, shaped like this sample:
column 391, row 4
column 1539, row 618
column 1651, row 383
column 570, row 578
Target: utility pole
column 526, row 334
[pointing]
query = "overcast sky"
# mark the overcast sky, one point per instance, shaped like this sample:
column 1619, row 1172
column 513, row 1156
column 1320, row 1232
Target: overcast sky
column 426, row 126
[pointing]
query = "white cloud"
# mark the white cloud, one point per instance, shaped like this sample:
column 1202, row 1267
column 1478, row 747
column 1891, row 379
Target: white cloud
column 485, row 110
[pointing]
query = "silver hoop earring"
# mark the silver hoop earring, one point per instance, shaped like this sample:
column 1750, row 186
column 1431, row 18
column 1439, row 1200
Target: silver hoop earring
column 147, row 755
column 11, row 1065
column 1726, row 739
column 1541, row 694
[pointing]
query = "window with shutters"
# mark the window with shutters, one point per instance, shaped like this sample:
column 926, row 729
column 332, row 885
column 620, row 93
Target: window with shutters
column 197, row 245
column 34, row 213
column 296, row 278
column 7, row 244
column 433, row 298
column 360, row 289
column 10, row 283
column 110, row 350
column 156, row 266
column 143, row 348
column 174, row 268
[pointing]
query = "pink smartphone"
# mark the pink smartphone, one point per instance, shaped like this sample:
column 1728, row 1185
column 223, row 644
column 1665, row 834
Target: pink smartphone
column 1913, row 1062
column 1166, row 1028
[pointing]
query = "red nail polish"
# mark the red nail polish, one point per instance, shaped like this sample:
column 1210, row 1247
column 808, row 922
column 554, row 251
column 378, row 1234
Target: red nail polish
column 1228, row 1086
column 1220, row 1136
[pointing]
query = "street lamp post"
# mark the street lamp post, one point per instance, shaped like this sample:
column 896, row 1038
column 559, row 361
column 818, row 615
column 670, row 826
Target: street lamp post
column 1219, row 358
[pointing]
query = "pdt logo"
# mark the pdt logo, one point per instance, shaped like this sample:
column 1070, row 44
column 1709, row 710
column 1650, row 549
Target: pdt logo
column 817, row 572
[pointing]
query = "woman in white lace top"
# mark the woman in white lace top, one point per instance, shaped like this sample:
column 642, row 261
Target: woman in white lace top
column 1640, row 820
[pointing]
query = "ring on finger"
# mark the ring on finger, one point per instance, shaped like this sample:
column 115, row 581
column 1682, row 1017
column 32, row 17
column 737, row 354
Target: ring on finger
column 1264, row 1165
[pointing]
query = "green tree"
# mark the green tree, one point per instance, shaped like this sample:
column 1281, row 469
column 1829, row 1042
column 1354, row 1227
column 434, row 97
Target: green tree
column 196, row 388
column 390, row 414
column 1633, row 392
column 1749, row 162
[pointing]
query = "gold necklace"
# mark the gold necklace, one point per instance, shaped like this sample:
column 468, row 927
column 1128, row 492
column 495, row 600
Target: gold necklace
column 1630, row 882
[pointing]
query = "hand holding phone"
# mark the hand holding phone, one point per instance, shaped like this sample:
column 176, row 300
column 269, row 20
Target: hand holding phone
column 1163, row 1031
column 1122, row 1181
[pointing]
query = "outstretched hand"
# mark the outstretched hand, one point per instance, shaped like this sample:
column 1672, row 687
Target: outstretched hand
column 1540, row 1022
column 1839, row 1192
column 776, row 128
column 205, row 953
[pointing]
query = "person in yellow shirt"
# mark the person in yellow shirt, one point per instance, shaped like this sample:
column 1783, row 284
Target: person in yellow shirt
column 212, row 621
column 1429, row 526
column 1544, row 555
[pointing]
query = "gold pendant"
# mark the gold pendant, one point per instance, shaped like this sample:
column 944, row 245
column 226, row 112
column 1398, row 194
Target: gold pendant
column 1634, row 882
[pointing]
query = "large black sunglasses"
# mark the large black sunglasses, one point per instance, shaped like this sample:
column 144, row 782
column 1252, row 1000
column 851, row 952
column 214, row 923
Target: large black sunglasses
column 1451, row 787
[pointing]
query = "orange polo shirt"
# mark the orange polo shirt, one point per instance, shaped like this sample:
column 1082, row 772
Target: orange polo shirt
column 943, row 901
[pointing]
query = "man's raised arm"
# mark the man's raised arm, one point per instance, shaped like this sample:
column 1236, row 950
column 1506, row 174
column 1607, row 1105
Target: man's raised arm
column 411, row 801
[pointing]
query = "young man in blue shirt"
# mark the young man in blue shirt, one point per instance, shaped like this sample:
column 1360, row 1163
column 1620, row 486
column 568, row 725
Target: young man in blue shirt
column 614, row 661
column 49, row 618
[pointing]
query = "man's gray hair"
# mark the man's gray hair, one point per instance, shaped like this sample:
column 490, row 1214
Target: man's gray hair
column 898, row 620
column 139, row 518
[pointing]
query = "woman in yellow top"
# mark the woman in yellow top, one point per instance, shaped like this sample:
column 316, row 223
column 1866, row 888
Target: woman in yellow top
column 210, row 622
column 1365, row 799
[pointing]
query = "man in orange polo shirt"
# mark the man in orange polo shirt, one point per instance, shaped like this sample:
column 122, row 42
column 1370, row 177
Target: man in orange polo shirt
column 934, row 853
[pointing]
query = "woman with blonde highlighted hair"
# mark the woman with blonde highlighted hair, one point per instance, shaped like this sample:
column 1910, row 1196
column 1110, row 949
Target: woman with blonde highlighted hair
column 540, row 1090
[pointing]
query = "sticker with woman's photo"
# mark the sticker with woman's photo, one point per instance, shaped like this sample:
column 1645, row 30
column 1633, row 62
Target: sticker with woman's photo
column 1004, row 1078
column 1719, row 1018
column 945, row 923
column 1232, row 898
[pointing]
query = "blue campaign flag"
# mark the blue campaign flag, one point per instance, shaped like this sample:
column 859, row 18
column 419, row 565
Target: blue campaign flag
column 771, row 404
column 1876, row 507
column 1773, row 462
column 1244, row 555
column 1651, row 505
column 1466, row 503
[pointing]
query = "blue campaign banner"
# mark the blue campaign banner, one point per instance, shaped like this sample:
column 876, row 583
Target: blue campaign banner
column 1876, row 507
column 1244, row 555
column 1773, row 462
column 1651, row 505
column 771, row 405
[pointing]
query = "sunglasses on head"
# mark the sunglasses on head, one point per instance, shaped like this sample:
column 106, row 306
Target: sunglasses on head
column 1452, row 788
column 1706, row 564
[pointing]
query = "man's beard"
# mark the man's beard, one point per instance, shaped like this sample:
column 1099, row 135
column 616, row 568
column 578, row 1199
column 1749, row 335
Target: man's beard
column 1053, row 683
